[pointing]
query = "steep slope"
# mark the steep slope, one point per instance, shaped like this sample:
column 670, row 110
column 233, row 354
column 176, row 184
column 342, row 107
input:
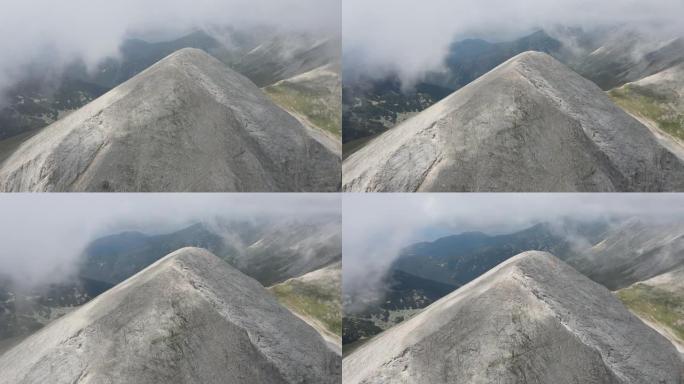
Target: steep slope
column 315, row 96
column 657, row 100
column 531, row 124
column 659, row 301
column 634, row 251
column 188, row 318
column 371, row 106
column 287, row 55
column 47, row 94
column 531, row 319
column 290, row 249
column 316, row 299
column 185, row 124
column 627, row 55
column 427, row 271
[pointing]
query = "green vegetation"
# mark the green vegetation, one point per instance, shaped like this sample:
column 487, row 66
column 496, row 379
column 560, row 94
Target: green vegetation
column 659, row 107
column 369, row 113
column 357, row 331
column 312, row 300
column 318, row 107
column 656, row 304
column 350, row 147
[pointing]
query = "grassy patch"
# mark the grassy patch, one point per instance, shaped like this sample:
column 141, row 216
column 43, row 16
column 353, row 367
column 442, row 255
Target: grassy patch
column 317, row 107
column 312, row 300
column 658, row 107
column 655, row 304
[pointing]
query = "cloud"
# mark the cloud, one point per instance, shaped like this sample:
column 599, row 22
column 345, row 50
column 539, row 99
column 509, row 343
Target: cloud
column 376, row 227
column 42, row 236
column 61, row 31
column 410, row 37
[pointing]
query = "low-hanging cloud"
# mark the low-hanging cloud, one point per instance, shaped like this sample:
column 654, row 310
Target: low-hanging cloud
column 409, row 38
column 376, row 227
column 61, row 31
column 42, row 236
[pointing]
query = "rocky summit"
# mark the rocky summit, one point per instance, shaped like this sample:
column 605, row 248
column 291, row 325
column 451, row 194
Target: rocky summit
column 530, row 124
column 532, row 319
column 186, row 124
column 188, row 318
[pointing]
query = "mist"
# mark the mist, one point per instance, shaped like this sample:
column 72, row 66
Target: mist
column 409, row 38
column 50, row 34
column 376, row 227
column 42, row 236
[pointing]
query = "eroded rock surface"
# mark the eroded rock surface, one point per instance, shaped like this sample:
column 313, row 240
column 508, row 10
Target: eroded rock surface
column 188, row 318
column 532, row 319
column 531, row 124
column 188, row 123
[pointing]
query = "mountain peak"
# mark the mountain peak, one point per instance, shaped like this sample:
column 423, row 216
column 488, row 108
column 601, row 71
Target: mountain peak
column 187, row 123
column 189, row 317
column 533, row 57
column 189, row 53
column 530, row 124
column 531, row 316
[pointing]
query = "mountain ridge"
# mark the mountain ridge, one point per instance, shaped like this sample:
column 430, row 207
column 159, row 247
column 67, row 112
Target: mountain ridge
column 543, row 326
column 188, row 116
column 530, row 124
column 189, row 317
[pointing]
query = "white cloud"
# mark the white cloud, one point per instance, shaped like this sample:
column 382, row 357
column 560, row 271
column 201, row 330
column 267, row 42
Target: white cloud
column 93, row 29
column 376, row 227
column 410, row 37
column 42, row 236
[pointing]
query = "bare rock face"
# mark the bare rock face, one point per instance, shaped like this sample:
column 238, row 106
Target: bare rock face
column 188, row 123
column 531, row 124
column 532, row 319
column 188, row 318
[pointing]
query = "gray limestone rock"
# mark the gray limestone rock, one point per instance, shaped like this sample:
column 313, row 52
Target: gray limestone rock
column 187, row 123
column 532, row 319
column 188, row 318
column 531, row 124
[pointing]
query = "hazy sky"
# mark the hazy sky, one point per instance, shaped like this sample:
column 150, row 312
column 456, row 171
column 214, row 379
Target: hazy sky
column 410, row 36
column 376, row 227
column 42, row 235
column 93, row 29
